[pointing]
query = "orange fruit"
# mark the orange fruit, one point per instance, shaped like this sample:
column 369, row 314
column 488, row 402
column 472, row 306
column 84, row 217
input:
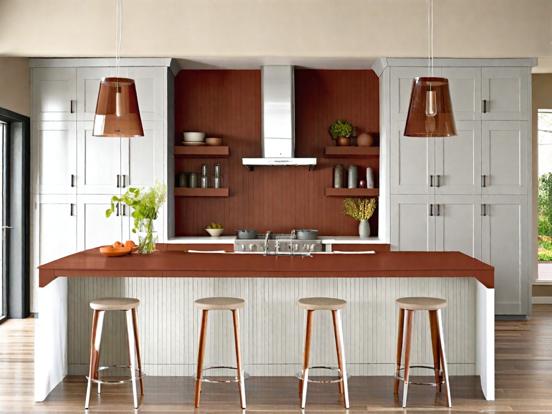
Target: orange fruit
column 130, row 244
column 117, row 245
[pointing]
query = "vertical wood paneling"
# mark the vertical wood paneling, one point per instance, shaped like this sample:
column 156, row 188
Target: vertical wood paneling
column 272, row 326
column 227, row 103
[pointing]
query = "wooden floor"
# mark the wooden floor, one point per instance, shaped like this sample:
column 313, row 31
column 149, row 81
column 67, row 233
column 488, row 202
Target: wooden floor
column 523, row 382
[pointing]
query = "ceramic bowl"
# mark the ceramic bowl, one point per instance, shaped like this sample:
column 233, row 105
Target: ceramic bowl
column 213, row 141
column 193, row 136
column 215, row 232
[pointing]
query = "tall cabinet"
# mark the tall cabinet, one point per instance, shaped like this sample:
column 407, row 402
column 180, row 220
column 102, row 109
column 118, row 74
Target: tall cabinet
column 471, row 192
column 75, row 174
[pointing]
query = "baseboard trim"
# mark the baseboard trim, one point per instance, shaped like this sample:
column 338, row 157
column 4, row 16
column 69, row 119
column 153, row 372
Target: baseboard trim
column 542, row 300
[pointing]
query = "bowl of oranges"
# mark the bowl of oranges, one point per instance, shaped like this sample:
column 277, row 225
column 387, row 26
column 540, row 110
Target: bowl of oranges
column 118, row 249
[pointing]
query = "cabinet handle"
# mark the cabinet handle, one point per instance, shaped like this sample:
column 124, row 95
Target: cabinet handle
column 484, row 106
column 117, row 213
column 431, row 210
column 438, row 207
column 124, row 210
column 484, row 210
column 118, row 181
column 72, row 106
column 71, row 209
column 438, row 181
column 72, row 180
column 484, row 180
column 124, row 181
column 431, row 180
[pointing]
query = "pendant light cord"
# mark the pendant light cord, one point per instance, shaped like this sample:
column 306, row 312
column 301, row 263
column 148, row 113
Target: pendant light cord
column 118, row 33
column 430, row 60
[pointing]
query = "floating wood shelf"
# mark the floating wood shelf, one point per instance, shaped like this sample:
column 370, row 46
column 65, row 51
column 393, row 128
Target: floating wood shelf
column 352, row 192
column 351, row 152
column 202, row 151
column 201, row 192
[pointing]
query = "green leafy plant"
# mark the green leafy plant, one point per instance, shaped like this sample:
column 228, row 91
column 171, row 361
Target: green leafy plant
column 359, row 208
column 341, row 128
column 145, row 206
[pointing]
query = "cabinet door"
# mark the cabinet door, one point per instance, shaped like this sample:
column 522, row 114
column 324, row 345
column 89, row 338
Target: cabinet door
column 458, row 160
column 412, row 227
column 99, row 162
column 56, row 144
column 505, row 246
column 54, row 94
column 506, row 91
column 88, row 86
column 151, row 91
column 94, row 228
column 505, row 157
column 465, row 92
column 401, row 80
column 411, row 162
column 57, row 228
column 458, row 224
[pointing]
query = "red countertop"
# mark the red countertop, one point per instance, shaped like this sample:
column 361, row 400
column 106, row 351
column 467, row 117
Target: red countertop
column 170, row 261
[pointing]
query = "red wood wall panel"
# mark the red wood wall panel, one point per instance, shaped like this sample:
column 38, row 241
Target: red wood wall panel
column 227, row 103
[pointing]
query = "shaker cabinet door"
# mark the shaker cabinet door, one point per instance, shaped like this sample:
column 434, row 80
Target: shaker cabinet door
column 57, row 228
column 505, row 94
column 150, row 90
column 55, row 144
column 412, row 226
column 505, row 146
column 412, row 162
column 54, row 94
column 465, row 92
column 88, row 86
column 505, row 245
column 94, row 228
column 99, row 162
column 458, row 160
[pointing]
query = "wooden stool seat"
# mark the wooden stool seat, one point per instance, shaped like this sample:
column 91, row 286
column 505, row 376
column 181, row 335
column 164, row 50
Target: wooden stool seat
column 321, row 303
column 114, row 304
column 220, row 303
column 421, row 303
column 326, row 304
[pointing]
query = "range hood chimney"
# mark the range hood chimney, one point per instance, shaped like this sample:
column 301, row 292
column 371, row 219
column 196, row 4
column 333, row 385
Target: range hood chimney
column 278, row 140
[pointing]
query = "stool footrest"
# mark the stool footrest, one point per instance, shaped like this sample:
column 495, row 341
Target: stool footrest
column 123, row 380
column 337, row 379
column 221, row 379
column 433, row 384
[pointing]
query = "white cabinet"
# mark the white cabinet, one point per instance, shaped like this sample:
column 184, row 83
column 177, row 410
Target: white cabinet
column 55, row 144
column 505, row 245
column 88, row 86
column 412, row 225
column 465, row 92
column 505, row 158
column 54, row 94
column 505, row 93
column 94, row 228
column 57, row 221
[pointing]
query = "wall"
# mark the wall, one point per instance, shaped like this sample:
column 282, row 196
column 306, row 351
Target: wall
column 227, row 103
column 15, row 86
column 542, row 99
column 345, row 28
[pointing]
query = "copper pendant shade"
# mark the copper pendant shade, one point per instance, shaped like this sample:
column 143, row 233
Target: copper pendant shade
column 430, row 111
column 117, row 111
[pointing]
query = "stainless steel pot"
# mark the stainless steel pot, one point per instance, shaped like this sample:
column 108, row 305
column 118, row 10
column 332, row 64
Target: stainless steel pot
column 247, row 234
column 306, row 234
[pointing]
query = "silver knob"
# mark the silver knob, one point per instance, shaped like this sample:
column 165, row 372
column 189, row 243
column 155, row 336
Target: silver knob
column 252, row 247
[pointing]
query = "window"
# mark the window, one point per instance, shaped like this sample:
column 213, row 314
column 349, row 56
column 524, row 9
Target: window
column 544, row 130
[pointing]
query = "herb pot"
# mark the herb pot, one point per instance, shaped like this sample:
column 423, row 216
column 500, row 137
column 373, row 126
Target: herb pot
column 363, row 229
column 343, row 141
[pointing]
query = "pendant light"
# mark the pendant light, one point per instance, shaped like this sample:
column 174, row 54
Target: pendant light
column 117, row 110
column 430, row 110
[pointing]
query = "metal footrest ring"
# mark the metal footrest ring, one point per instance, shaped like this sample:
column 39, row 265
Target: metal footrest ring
column 221, row 379
column 123, row 380
column 338, row 377
column 433, row 384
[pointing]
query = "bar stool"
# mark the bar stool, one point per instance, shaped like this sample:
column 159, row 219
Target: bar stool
column 407, row 307
column 100, row 306
column 219, row 303
column 334, row 305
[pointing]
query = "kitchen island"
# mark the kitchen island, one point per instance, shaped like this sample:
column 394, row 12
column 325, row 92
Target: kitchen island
column 169, row 280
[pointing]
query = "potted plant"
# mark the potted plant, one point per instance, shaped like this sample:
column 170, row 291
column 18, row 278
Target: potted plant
column 360, row 209
column 341, row 131
column 145, row 206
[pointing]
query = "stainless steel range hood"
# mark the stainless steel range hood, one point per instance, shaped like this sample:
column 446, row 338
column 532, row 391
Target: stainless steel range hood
column 278, row 140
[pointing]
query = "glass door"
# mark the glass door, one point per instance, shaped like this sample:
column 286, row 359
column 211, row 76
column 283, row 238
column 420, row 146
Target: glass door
column 4, row 218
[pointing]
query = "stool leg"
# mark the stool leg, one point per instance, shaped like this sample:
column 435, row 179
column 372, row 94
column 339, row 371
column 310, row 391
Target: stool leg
column 200, row 354
column 399, row 350
column 435, row 348
column 340, row 384
column 408, row 340
column 443, row 355
column 137, row 345
column 241, row 383
column 132, row 352
column 92, row 363
column 306, row 355
column 98, row 342
column 341, row 351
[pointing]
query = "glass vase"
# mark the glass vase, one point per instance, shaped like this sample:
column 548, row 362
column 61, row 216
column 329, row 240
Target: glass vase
column 147, row 237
